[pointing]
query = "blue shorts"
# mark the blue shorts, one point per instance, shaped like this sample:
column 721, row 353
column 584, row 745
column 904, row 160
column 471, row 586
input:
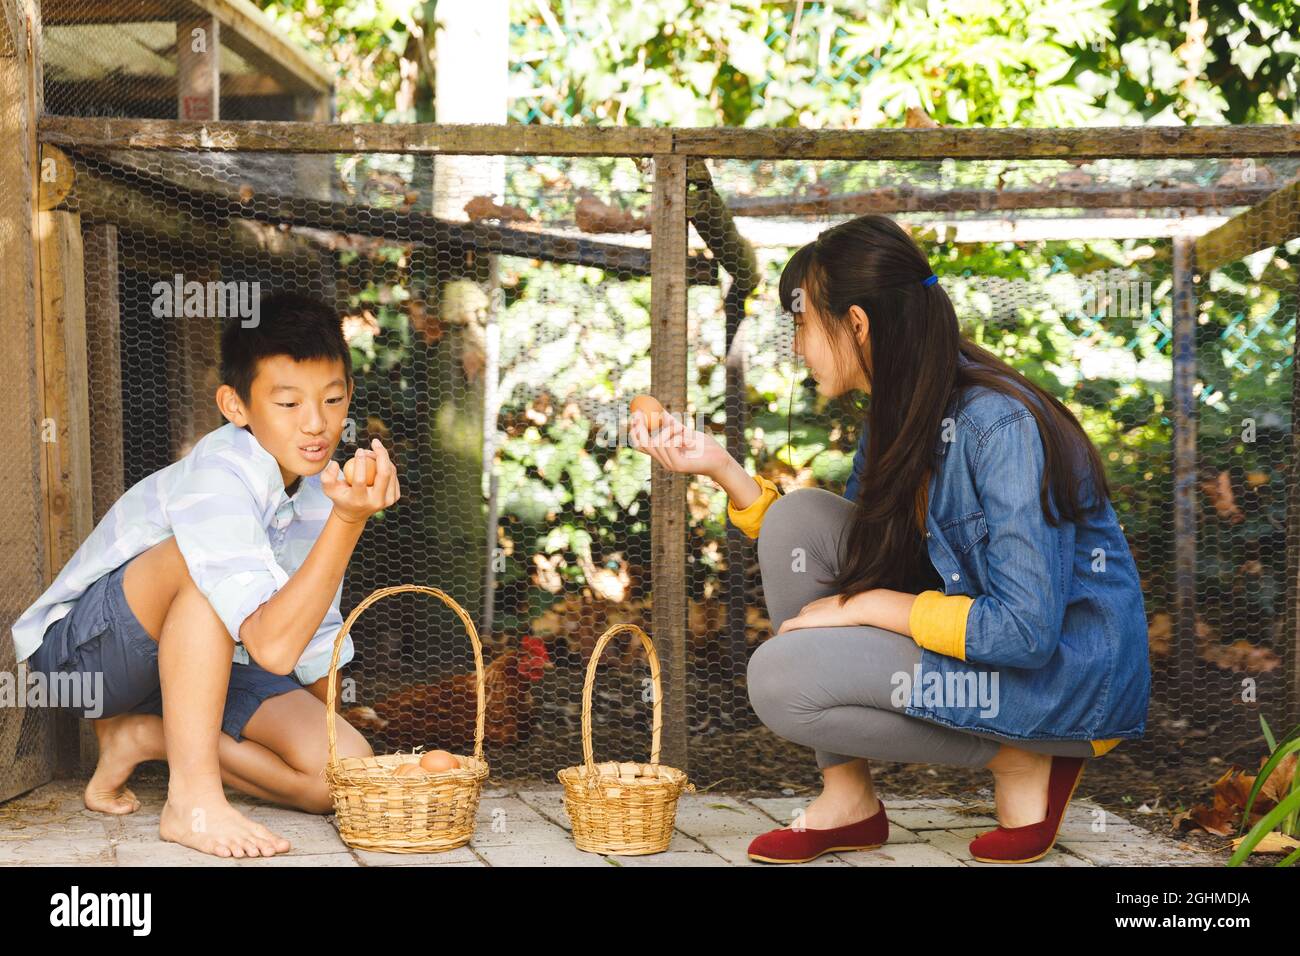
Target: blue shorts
column 101, row 635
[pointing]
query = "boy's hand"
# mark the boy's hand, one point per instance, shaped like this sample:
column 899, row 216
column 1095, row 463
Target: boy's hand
column 356, row 502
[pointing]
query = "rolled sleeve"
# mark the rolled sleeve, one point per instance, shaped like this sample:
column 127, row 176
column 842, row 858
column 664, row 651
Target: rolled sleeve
column 218, row 524
column 938, row 622
column 1018, row 622
column 750, row 520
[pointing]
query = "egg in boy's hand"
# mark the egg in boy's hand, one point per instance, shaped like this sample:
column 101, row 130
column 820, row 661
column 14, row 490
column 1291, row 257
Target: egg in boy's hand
column 348, row 469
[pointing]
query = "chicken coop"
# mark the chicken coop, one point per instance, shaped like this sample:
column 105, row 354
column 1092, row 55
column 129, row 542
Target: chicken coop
column 507, row 290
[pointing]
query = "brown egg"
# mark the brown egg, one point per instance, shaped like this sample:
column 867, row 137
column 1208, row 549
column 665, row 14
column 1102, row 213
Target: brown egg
column 370, row 469
column 648, row 406
column 409, row 770
column 436, row 761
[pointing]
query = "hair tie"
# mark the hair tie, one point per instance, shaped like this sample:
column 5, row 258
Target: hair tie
column 931, row 279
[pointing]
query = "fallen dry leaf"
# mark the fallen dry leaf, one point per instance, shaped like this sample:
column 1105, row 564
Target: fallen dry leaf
column 592, row 215
column 1274, row 842
column 917, row 118
column 485, row 207
column 1219, row 490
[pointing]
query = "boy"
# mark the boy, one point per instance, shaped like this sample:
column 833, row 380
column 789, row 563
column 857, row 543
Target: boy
column 208, row 596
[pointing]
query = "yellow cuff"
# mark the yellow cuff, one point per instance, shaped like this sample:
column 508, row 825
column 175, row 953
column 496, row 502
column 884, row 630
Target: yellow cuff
column 1100, row 747
column 938, row 622
column 750, row 519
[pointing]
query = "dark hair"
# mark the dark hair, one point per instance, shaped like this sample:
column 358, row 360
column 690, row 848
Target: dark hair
column 914, row 342
column 291, row 324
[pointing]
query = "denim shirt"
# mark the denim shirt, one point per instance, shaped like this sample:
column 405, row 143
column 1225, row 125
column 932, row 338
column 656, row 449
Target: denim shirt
column 1057, row 629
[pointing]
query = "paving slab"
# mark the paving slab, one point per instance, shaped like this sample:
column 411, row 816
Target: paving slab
column 528, row 826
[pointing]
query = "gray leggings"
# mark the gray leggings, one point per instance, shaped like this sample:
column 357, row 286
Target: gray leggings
column 829, row 687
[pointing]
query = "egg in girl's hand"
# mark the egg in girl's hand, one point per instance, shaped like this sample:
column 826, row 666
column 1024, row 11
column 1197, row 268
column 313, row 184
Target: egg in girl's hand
column 436, row 761
column 348, row 470
column 648, row 406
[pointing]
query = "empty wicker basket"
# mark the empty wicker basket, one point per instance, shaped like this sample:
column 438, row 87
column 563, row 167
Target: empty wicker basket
column 417, row 814
column 622, row 807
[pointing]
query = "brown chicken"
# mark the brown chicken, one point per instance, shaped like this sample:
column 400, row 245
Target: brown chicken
column 442, row 715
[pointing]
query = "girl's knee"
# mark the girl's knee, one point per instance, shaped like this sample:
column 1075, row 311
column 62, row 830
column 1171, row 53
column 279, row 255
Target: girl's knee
column 768, row 679
column 777, row 516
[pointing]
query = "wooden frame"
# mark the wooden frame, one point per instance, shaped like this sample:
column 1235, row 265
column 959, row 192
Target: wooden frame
column 1273, row 217
column 24, row 529
column 668, row 350
column 1121, row 142
column 247, row 31
column 1271, row 222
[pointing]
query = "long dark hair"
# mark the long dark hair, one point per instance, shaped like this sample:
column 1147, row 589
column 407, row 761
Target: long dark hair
column 914, row 342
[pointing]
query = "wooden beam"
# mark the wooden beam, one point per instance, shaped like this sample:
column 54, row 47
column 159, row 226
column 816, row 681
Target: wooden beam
column 1290, row 642
column 69, row 489
column 198, row 65
column 249, row 32
column 104, row 348
column 22, row 536
column 1124, row 142
column 80, row 12
column 103, row 198
column 668, row 354
column 67, row 403
column 107, row 183
column 1271, row 222
column 892, row 199
column 1097, row 142
column 1184, row 483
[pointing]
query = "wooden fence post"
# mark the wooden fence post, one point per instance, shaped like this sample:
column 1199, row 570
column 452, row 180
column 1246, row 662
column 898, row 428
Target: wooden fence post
column 22, row 524
column 668, row 348
column 1185, row 498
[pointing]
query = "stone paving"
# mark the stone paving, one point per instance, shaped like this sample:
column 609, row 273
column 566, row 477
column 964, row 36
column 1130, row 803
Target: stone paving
column 529, row 827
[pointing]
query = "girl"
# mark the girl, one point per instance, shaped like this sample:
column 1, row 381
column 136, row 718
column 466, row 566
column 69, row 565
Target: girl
column 971, row 600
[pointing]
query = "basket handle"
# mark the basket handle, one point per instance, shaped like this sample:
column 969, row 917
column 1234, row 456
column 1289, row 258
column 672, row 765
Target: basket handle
column 479, row 689
column 657, row 720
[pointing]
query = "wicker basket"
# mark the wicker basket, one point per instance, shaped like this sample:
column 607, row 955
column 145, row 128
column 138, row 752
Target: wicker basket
column 622, row 807
column 417, row 814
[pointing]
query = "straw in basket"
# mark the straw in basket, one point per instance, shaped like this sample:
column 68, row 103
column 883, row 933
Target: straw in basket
column 622, row 807
column 417, row 814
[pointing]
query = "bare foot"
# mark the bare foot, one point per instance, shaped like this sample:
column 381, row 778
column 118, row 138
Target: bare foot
column 207, row 823
column 123, row 743
column 826, row 813
column 1020, row 786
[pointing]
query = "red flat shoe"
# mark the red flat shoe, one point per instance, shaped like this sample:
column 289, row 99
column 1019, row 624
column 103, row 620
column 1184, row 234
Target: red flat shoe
column 800, row 846
column 1032, row 841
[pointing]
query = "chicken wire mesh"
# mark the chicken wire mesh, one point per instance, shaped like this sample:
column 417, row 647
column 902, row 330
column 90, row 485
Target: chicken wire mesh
column 498, row 313
column 147, row 59
column 1065, row 269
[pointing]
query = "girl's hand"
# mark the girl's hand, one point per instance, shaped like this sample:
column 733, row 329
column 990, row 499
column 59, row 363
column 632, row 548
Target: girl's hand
column 678, row 447
column 827, row 612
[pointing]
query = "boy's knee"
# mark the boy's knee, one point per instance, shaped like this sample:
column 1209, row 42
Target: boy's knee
column 315, row 794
